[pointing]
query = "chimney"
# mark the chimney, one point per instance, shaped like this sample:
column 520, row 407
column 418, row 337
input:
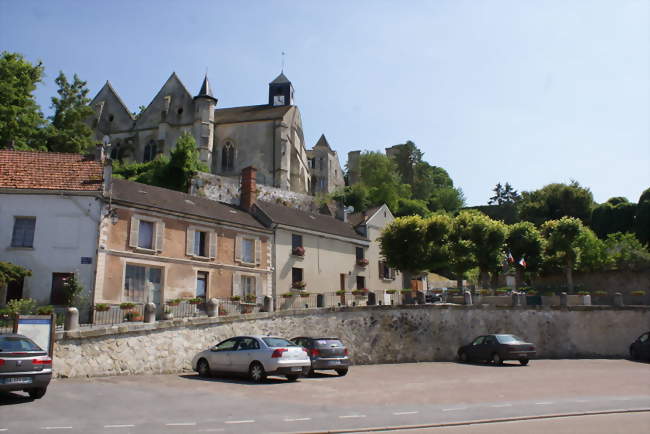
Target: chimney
column 248, row 188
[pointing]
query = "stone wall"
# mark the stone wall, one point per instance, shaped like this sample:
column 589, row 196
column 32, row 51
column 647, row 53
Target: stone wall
column 377, row 334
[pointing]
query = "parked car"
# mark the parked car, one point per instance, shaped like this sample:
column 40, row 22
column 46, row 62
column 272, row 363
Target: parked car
column 325, row 354
column 256, row 356
column 432, row 296
column 640, row 349
column 23, row 366
column 497, row 348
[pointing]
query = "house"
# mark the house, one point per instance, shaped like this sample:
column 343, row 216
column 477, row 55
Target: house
column 50, row 208
column 158, row 244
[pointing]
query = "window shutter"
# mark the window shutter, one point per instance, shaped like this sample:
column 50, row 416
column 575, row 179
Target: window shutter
column 133, row 236
column 258, row 286
column 189, row 244
column 381, row 270
column 213, row 245
column 238, row 248
column 160, row 236
column 258, row 252
column 236, row 284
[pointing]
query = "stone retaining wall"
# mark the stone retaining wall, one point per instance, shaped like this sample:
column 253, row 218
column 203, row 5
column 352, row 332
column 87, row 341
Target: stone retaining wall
column 375, row 334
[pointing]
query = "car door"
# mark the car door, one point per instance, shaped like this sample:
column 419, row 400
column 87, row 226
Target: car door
column 474, row 349
column 220, row 357
column 247, row 350
column 644, row 345
column 489, row 347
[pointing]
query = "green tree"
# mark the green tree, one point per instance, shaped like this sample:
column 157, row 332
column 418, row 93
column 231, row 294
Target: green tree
column 379, row 175
column 462, row 256
column 403, row 244
column 504, row 195
column 642, row 218
column 563, row 243
column 412, row 207
column 525, row 241
column 21, row 121
column 555, row 201
column 438, row 230
column 10, row 272
column 447, row 199
column 355, row 196
column 615, row 215
column 626, row 252
column 68, row 131
column 406, row 157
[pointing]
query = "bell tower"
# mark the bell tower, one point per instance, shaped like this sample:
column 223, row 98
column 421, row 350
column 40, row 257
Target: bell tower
column 280, row 91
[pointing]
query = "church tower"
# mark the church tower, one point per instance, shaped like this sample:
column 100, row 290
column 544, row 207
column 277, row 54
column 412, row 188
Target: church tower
column 280, row 91
column 204, row 105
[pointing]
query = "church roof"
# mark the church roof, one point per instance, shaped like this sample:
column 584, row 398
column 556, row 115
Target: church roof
column 108, row 87
column 206, row 89
column 280, row 79
column 250, row 113
column 323, row 142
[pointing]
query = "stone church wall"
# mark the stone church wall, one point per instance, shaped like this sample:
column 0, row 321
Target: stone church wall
column 378, row 334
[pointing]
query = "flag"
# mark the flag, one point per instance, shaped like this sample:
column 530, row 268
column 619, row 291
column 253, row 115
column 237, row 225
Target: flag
column 510, row 258
column 522, row 262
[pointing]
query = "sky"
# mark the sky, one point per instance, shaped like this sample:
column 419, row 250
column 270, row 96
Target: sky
column 525, row 92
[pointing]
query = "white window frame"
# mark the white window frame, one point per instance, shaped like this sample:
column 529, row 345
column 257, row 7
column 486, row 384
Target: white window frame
column 211, row 242
column 257, row 250
column 158, row 241
column 147, row 267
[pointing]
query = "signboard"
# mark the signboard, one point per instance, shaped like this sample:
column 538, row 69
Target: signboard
column 39, row 328
column 86, row 260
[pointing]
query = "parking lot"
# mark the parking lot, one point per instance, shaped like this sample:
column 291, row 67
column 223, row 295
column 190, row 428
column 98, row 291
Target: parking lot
column 369, row 396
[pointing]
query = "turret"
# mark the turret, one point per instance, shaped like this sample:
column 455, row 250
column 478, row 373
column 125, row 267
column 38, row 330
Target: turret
column 204, row 105
column 280, row 91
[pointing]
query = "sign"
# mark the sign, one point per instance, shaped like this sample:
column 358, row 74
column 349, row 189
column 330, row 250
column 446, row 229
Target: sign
column 86, row 260
column 39, row 328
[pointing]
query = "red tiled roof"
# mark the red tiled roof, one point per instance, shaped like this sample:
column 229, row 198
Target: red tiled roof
column 49, row 171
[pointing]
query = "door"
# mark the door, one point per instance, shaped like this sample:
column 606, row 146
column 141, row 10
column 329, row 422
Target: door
column 247, row 350
column 474, row 350
column 342, row 282
column 15, row 290
column 220, row 358
column 490, row 346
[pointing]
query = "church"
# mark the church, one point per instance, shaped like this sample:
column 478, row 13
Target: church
column 267, row 136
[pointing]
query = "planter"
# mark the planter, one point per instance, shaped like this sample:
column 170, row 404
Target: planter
column 298, row 251
column 362, row 262
column 167, row 315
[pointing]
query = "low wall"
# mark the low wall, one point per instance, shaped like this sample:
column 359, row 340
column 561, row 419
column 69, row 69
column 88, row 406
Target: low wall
column 374, row 334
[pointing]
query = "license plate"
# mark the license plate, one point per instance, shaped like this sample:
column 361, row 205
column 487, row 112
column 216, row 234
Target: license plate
column 296, row 369
column 335, row 362
column 18, row 380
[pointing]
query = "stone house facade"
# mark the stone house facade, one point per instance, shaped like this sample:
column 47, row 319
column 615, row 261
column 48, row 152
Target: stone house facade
column 50, row 208
column 326, row 173
column 158, row 244
column 267, row 136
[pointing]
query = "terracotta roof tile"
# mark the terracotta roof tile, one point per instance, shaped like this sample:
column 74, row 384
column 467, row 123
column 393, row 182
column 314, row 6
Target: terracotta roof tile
column 49, row 171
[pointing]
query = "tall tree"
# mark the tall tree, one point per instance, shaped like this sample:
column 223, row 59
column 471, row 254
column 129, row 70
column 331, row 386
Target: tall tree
column 555, row 201
column 563, row 243
column 447, row 199
column 406, row 158
column 21, row 121
column 642, row 218
column 10, row 272
column 68, row 131
column 525, row 241
column 403, row 244
column 615, row 215
column 379, row 175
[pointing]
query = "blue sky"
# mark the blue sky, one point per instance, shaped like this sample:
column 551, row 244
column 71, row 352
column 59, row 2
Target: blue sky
column 519, row 91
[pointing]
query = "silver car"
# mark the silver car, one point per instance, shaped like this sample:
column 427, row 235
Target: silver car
column 257, row 356
column 23, row 366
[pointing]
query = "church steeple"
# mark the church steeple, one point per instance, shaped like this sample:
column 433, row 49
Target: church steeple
column 206, row 90
column 280, row 91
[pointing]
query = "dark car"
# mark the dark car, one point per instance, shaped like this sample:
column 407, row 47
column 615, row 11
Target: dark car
column 640, row 349
column 23, row 366
column 325, row 354
column 497, row 348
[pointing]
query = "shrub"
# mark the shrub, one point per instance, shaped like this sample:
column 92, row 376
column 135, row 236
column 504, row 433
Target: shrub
column 583, row 293
column 45, row 310
column 22, row 306
column 102, row 307
column 638, row 292
column 340, row 292
column 287, row 295
column 235, row 298
column 195, row 300
column 132, row 316
column 127, row 305
column 600, row 292
column 391, row 291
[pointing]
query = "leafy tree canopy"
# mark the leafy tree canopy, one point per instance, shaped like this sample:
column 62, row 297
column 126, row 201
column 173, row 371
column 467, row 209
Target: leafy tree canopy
column 403, row 244
column 626, row 252
column 555, row 201
column 407, row 207
column 525, row 241
column 447, row 199
column 10, row 272
column 642, row 218
column 615, row 215
column 504, row 194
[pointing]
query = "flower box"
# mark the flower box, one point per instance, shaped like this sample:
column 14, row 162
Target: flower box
column 391, row 291
column 133, row 316
column 127, row 306
column 638, row 293
column 340, row 292
column 287, row 295
column 196, row 300
column 235, row 298
column 250, row 299
column 305, row 294
column 298, row 251
column 362, row 262
column 298, row 285
column 362, row 292
column 102, row 307
column 173, row 302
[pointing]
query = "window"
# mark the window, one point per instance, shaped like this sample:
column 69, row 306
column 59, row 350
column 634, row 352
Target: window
column 361, row 282
column 149, row 151
column 147, row 233
column 248, row 250
column 310, row 163
column 479, row 340
column 228, row 157
column 248, row 344
column 321, row 183
column 58, row 295
column 201, row 283
column 359, row 253
column 296, row 241
column 385, row 272
column 200, row 241
column 141, row 283
column 23, row 235
column 115, row 151
column 248, row 286
column 296, row 274
column 227, row 345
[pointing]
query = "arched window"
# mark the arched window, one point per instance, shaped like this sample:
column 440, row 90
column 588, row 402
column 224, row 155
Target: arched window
column 228, row 157
column 149, row 151
column 115, row 151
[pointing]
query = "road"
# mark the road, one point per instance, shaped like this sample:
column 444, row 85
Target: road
column 414, row 395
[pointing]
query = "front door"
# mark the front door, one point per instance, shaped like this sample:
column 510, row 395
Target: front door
column 15, row 290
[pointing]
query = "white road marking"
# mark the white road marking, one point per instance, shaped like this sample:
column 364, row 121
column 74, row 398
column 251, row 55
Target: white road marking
column 119, row 426
column 581, row 400
column 297, row 419
column 56, row 427
column 622, row 399
column 352, row 416
column 181, row 424
column 240, row 421
column 4, row 429
column 454, row 409
column 211, row 430
column 402, row 413
column 544, row 403
column 501, row 405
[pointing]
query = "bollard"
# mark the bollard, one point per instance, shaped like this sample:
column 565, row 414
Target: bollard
column 71, row 319
column 468, row 298
column 320, row 300
column 564, row 299
column 212, row 307
column 618, row 299
column 149, row 312
column 419, row 297
column 522, row 299
column 516, row 301
column 267, row 304
column 586, row 300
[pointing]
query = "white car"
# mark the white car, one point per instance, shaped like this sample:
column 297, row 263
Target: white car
column 257, row 356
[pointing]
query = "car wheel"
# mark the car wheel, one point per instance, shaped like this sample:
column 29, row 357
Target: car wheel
column 463, row 357
column 523, row 362
column 496, row 359
column 311, row 373
column 203, row 368
column 292, row 377
column 37, row 393
column 342, row 372
column 256, row 372
column 634, row 355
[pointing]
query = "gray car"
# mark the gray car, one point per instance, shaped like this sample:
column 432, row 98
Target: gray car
column 23, row 366
column 325, row 354
column 257, row 356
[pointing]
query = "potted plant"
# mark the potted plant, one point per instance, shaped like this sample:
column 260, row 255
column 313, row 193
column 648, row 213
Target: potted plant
column 173, row 302
column 45, row 310
column 304, row 294
column 250, row 298
column 195, row 300
column 391, row 291
column 406, row 291
column 235, row 298
column 360, row 291
column 167, row 313
column 102, row 307
column 298, row 284
column 362, row 262
column 127, row 305
column 340, row 292
column 133, row 316
column 287, row 295
column 638, row 293
column 298, row 251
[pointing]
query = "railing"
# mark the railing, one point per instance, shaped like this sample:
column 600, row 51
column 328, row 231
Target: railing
column 116, row 315
column 6, row 324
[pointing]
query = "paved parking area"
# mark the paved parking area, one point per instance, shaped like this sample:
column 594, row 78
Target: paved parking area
column 369, row 396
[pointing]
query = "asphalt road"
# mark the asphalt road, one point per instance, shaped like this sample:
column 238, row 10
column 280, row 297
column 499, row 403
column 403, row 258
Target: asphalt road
column 415, row 394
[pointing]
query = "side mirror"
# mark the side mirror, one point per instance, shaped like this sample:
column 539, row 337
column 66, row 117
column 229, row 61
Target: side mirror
column 214, row 349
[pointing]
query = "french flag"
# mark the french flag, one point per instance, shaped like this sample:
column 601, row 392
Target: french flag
column 522, row 262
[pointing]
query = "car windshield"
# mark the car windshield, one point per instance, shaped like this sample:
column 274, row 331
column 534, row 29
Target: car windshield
column 328, row 343
column 17, row 343
column 278, row 342
column 508, row 339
